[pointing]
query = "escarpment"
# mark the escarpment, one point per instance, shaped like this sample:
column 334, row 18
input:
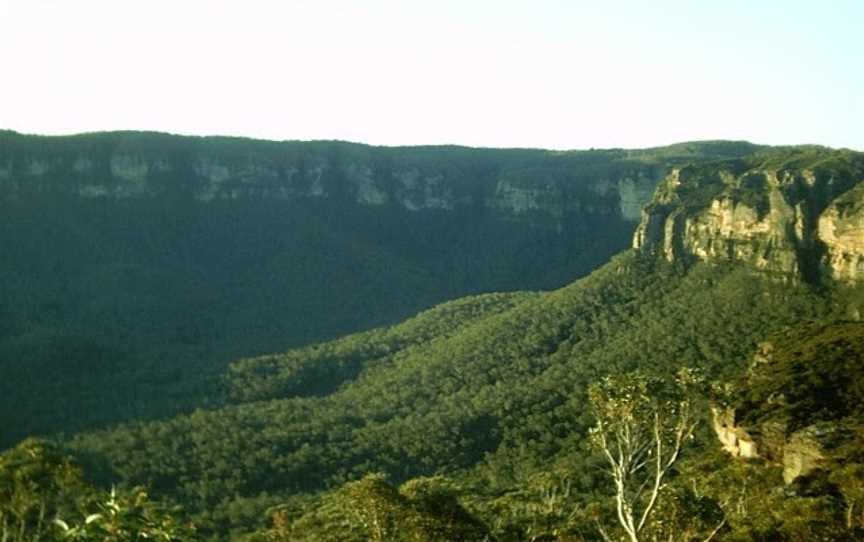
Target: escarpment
column 124, row 248
column 795, row 213
column 841, row 229
column 516, row 183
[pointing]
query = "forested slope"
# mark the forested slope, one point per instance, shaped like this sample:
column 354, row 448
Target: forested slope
column 498, row 400
column 136, row 266
column 492, row 390
column 478, row 418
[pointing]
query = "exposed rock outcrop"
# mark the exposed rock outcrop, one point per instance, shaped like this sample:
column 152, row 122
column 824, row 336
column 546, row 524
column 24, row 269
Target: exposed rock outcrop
column 800, row 402
column 515, row 183
column 807, row 450
column 841, row 228
column 798, row 215
column 734, row 439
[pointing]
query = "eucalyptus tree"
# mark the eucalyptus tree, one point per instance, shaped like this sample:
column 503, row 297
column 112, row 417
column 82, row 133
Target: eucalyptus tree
column 643, row 424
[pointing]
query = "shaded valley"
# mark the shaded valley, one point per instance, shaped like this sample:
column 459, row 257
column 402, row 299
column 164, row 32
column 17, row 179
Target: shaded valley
column 478, row 418
column 135, row 266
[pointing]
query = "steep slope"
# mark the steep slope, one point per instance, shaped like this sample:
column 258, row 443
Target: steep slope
column 489, row 389
column 136, row 165
column 502, row 396
column 135, row 266
column 802, row 395
column 791, row 429
column 795, row 213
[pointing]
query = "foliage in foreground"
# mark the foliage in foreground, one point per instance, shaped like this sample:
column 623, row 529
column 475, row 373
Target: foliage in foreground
column 45, row 498
column 642, row 426
column 694, row 492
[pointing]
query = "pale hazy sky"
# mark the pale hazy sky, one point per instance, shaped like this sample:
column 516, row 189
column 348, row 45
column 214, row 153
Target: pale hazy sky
column 531, row 73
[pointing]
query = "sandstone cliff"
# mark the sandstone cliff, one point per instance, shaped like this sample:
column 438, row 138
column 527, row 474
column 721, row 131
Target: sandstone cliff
column 133, row 166
column 797, row 213
column 514, row 182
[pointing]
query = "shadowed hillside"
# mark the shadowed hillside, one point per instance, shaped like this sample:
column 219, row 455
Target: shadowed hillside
column 135, row 266
column 481, row 415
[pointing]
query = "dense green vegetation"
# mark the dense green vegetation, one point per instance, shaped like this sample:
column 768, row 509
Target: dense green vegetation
column 491, row 417
column 135, row 305
column 817, row 370
column 801, row 399
column 476, row 416
column 44, row 497
column 497, row 398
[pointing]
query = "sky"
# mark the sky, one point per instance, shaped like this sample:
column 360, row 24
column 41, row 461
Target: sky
column 557, row 74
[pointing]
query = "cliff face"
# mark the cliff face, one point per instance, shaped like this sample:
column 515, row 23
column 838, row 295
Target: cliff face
column 515, row 183
column 123, row 247
column 841, row 228
column 796, row 213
